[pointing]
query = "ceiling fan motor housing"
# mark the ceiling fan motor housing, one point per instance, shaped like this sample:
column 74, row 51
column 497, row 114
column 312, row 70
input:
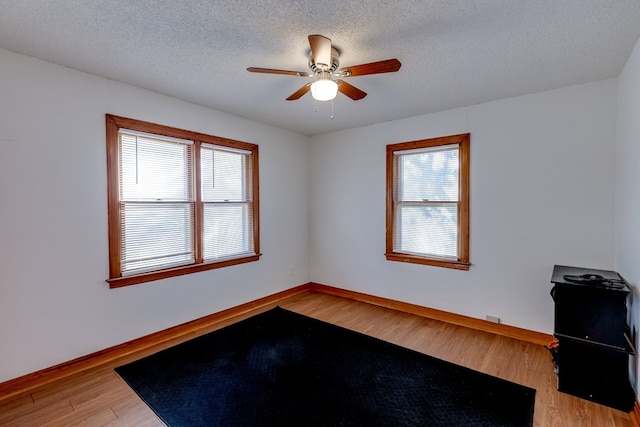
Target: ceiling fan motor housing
column 335, row 62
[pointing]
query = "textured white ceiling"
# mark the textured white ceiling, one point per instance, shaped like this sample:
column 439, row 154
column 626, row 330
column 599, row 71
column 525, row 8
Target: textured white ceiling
column 453, row 52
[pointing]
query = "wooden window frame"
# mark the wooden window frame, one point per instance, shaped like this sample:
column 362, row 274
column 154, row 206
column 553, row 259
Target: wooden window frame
column 113, row 126
column 462, row 261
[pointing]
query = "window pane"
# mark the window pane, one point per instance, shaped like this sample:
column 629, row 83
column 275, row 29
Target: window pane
column 156, row 234
column 154, row 169
column 223, row 175
column 427, row 230
column 429, row 176
column 166, row 210
column 228, row 230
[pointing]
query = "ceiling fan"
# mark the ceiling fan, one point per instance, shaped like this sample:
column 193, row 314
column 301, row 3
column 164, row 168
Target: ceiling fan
column 324, row 60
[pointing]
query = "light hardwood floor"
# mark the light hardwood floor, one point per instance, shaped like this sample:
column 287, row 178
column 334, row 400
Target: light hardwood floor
column 98, row 397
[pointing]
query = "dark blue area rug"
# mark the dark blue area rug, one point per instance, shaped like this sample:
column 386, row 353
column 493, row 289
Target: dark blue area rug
column 280, row 368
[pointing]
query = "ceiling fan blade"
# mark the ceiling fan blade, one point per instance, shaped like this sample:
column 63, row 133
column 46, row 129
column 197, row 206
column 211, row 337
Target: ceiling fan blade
column 298, row 94
column 272, row 71
column 386, row 66
column 350, row 90
column 320, row 49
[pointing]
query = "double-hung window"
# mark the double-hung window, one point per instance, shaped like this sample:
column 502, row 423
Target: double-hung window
column 428, row 202
column 179, row 201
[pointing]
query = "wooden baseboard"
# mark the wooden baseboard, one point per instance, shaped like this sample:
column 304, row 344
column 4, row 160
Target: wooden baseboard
column 177, row 333
column 444, row 316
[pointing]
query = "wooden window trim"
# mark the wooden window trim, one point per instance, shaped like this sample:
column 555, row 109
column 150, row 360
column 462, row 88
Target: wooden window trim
column 462, row 263
column 113, row 125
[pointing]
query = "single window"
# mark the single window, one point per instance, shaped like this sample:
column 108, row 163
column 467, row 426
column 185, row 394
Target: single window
column 428, row 202
column 179, row 201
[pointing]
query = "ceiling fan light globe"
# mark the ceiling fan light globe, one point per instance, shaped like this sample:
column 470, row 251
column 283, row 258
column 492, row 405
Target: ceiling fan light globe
column 324, row 90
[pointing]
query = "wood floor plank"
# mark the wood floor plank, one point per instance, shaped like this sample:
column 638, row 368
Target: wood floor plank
column 132, row 411
column 100, row 397
column 94, row 415
column 20, row 401
column 36, row 414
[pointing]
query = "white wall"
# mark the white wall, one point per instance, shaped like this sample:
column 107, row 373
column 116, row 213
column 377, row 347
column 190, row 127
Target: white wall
column 627, row 200
column 54, row 302
column 542, row 179
column 542, row 174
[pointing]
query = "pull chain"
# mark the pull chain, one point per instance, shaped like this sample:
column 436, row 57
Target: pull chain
column 315, row 107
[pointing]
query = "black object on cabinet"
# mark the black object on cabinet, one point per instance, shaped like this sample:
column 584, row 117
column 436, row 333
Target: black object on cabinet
column 590, row 324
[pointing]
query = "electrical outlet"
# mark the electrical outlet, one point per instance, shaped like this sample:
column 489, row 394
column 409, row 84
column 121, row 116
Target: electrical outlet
column 493, row 319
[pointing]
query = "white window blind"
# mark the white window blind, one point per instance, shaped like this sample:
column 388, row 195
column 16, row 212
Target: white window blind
column 227, row 202
column 426, row 201
column 156, row 202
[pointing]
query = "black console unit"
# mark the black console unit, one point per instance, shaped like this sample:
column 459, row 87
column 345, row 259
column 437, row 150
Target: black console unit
column 590, row 324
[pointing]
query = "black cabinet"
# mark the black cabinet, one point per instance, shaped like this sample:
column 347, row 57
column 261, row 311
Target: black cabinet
column 590, row 323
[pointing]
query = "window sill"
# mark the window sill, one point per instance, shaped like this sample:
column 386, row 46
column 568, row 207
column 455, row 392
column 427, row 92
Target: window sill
column 118, row 282
column 436, row 262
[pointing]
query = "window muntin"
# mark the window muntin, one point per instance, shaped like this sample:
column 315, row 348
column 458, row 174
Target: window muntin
column 427, row 202
column 179, row 201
